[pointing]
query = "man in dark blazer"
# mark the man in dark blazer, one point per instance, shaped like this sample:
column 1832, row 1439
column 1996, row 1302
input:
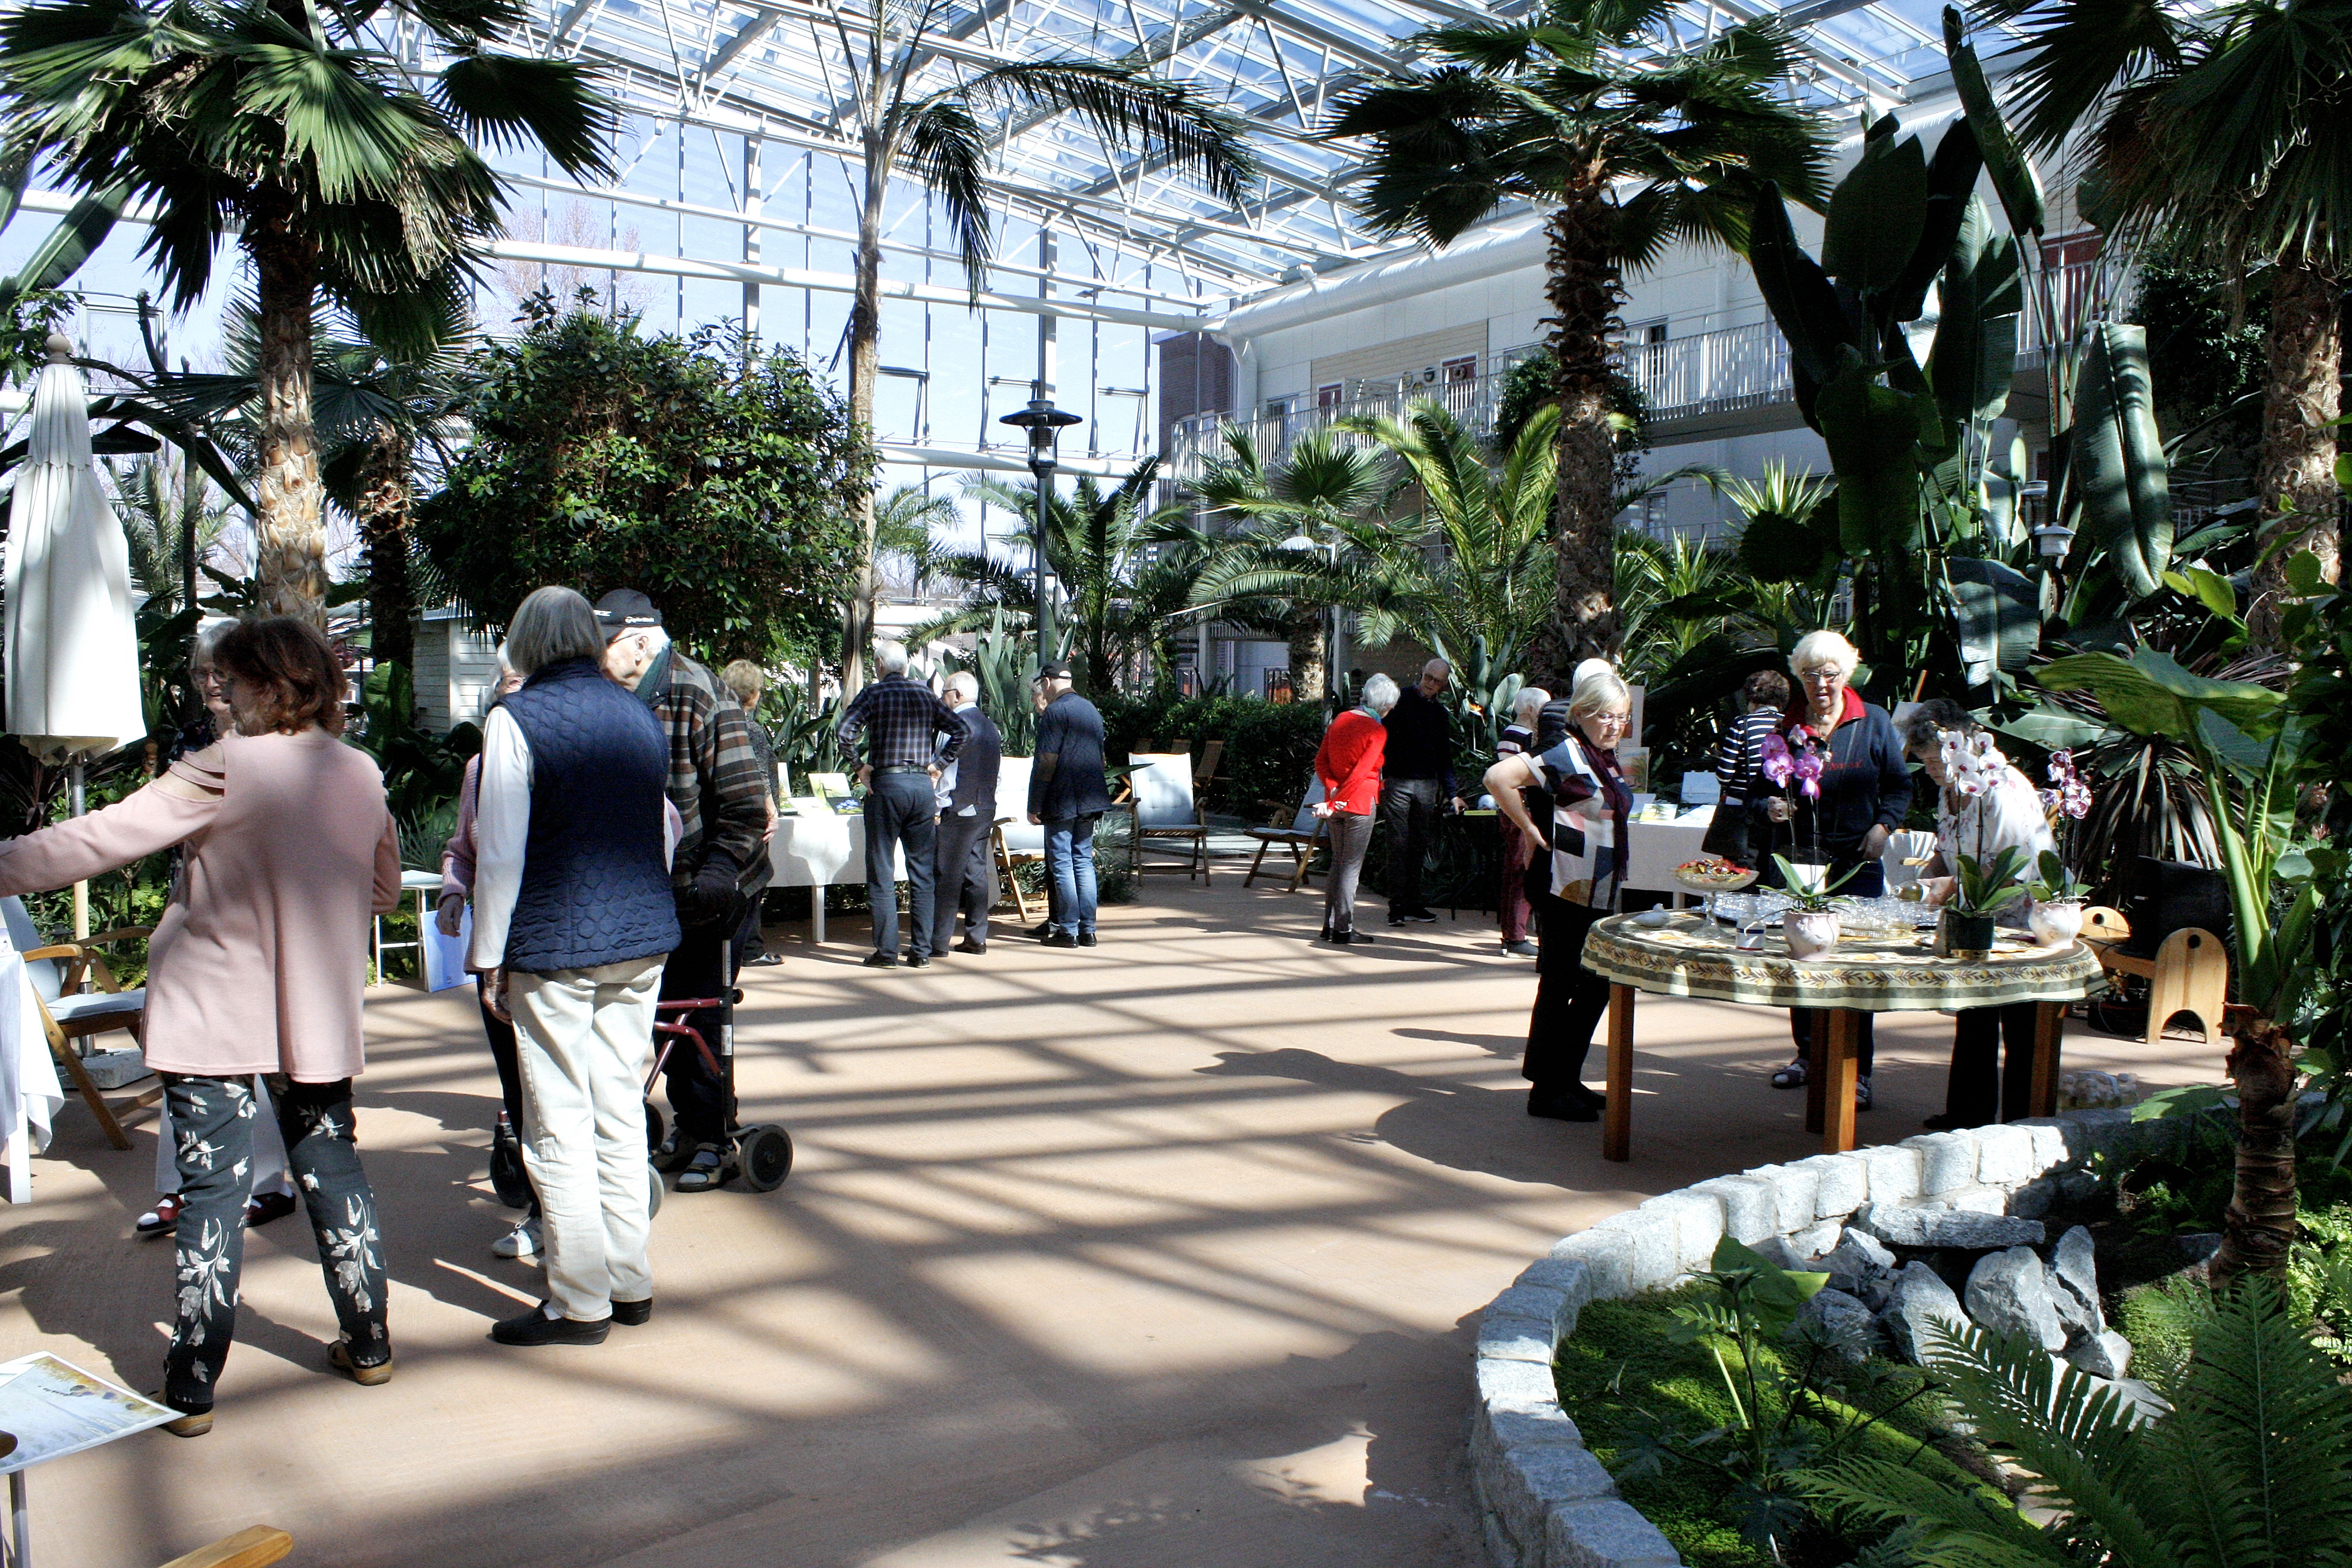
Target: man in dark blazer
column 1067, row 792
column 967, row 792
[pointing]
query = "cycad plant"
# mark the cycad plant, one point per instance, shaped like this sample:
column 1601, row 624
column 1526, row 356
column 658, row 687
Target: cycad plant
column 340, row 168
column 2252, row 1467
column 1631, row 151
column 942, row 140
column 2230, row 126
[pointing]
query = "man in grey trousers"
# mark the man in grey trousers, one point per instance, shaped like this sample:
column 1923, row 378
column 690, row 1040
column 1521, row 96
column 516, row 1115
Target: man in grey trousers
column 967, row 796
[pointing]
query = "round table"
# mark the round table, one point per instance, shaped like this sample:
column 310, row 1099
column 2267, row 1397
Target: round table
column 1875, row 970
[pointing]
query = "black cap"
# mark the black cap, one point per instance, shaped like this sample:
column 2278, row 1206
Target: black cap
column 1054, row 672
column 625, row 610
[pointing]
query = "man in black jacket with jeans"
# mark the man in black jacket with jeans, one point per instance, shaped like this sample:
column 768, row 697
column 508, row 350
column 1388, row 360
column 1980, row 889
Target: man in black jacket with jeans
column 1416, row 786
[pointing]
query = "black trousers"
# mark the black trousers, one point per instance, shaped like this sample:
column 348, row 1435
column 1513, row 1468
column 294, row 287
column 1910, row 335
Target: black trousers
column 213, row 1120
column 748, row 942
column 501, row 1036
column 963, row 877
column 1869, row 882
column 1409, row 811
column 1982, row 1088
column 1570, row 1000
column 901, row 809
column 701, row 967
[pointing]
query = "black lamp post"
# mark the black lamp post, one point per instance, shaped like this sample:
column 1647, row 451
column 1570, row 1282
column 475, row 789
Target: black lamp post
column 1045, row 423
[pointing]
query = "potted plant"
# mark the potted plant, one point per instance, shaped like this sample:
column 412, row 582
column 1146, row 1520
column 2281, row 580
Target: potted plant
column 1983, row 890
column 2056, row 913
column 1810, row 924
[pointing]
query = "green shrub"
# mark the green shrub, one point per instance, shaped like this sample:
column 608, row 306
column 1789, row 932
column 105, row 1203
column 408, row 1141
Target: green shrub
column 1270, row 746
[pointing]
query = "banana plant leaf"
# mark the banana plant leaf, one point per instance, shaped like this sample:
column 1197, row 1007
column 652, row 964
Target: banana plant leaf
column 1778, row 549
column 1995, row 615
column 2118, row 483
column 2150, row 694
column 1951, row 187
column 2013, row 179
column 1798, row 291
column 1975, row 357
column 1875, row 215
column 1873, row 434
column 69, row 245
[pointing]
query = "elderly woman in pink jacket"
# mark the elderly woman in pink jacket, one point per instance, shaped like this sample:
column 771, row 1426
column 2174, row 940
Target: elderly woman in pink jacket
column 257, row 966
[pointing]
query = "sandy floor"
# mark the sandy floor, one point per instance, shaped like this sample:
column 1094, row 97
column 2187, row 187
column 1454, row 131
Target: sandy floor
column 1164, row 1253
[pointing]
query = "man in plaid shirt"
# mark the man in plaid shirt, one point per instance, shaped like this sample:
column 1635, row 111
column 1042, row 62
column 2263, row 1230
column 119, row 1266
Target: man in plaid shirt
column 722, row 858
column 910, row 737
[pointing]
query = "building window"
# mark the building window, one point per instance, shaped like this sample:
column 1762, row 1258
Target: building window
column 1277, row 686
column 1460, row 370
column 1328, row 399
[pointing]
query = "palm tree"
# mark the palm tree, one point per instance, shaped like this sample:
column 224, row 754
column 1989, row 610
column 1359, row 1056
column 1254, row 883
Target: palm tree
column 1126, row 567
column 286, row 125
column 2231, row 126
column 908, row 524
column 1631, row 152
column 941, row 139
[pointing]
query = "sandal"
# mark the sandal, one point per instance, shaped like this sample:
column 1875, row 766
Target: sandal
column 164, row 1218
column 185, row 1423
column 708, row 1171
column 1791, row 1077
column 263, row 1208
column 367, row 1374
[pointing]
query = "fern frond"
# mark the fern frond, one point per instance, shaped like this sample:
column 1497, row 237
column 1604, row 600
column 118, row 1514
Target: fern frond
column 1978, row 1528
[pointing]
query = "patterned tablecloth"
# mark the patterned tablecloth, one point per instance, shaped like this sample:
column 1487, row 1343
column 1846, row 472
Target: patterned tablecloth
column 1878, row 969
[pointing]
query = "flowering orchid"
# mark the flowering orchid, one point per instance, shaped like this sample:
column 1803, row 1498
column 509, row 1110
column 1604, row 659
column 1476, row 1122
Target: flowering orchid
column 1779, row 765
column 1808, row 771
column 2071, row 797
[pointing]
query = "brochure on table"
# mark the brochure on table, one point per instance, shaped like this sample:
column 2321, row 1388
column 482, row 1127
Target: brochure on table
column 53, row 1409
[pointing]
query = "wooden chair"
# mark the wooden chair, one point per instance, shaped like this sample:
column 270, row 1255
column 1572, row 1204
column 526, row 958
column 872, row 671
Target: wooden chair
column 1005, row 861
column 68, row 1014
column 2189, row 973
column 255, row 1548
column 1169, row 815
column 1301, row 831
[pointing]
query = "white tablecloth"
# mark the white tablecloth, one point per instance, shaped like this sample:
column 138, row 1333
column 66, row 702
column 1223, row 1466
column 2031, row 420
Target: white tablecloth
column 829, row 851
column 30, row 1094
column 1656, row 849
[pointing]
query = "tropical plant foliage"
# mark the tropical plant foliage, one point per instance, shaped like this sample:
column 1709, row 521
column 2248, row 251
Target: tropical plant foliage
column 711, row 473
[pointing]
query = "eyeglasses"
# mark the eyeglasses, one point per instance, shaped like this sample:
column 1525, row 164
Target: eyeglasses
column 1619, row 720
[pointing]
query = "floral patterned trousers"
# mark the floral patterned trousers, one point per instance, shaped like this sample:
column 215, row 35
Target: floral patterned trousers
column 213, row 1118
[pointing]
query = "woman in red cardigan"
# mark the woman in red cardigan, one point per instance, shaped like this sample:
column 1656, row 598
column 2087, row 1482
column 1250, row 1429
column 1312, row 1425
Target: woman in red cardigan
column 1348, row 764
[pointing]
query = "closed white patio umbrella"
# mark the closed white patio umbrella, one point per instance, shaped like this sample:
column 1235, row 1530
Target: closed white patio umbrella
column 72, row 639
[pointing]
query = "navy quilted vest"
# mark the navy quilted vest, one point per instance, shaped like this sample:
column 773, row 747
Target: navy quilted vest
column 594, row 889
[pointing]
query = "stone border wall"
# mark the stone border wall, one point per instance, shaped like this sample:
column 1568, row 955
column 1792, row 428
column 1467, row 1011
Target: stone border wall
column 1544, row 1502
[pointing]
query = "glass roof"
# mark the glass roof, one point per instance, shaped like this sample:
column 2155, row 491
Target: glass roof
column 736, row 68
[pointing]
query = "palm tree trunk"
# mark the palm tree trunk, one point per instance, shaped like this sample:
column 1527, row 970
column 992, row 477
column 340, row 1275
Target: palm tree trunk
column 2260, row 1226
column 1306, row 657
column 864, row 366
column 290, row 557
column 2295, row 470
column 1584, row 291
column 384, row 528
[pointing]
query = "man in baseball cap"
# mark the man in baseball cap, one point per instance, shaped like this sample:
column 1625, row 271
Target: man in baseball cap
column 715, row 783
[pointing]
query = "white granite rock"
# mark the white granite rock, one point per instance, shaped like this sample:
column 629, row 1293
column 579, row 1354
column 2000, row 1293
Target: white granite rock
column 2008, row 1293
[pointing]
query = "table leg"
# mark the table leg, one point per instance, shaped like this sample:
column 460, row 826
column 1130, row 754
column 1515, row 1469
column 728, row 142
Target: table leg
column 2049, row 1032
column 1841, row 1027
column 817, row 915
column 20, row 1522
column 1817, row 1068
column 1617, row 1120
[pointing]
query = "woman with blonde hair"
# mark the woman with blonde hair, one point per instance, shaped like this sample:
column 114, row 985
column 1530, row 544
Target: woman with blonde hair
column 1840, row 815
column 1577, row 869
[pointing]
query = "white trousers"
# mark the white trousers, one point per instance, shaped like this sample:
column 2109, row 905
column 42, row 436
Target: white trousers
column 584, row 1038
column 269, row 1146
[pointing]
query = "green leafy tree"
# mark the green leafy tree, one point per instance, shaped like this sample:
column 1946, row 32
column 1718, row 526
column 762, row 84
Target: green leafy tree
column 340, row 169
column 2229, row 125
column 713, row 474
column 1631, row 152
column 941, row 140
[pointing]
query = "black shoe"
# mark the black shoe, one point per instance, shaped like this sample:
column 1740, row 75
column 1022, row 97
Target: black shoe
column 919, row 960
column 1592, row 1097
column 881, row 961
column 1042, row 930
column 1085, row 939
column 536, row 1328
column 631, row 1314
column 707, row 1171
column 1521, row 949
column 1349, row 939
column 969, row 946
column 1560, row 1108
column 1420, row 917
column 1861, row 1093
column 1061, row 939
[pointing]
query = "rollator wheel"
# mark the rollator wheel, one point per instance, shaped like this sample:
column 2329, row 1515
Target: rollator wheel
column 765, row 1154
column 508, row 1179
column 653, row 1183
column 654, row 1129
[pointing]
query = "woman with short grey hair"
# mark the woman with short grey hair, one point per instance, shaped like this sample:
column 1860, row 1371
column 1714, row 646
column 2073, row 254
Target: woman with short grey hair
column 1347, row 764
column 573, row 914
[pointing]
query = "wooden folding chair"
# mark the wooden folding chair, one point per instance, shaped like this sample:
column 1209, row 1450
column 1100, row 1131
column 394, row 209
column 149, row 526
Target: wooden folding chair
column 1163, row 822
column 255, row 1548
column 2189, row 973
column 1005, row 859
column 1301, row 831
column 68, row 1014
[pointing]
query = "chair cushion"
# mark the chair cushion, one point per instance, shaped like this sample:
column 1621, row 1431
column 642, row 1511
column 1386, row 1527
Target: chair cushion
column 96, row 1004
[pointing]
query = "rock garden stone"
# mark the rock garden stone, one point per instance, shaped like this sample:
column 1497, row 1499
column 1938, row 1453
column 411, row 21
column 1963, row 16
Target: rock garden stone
column 1944, row 1227
column 1750, row 1211
column 1848, row 1325
column 2074, row 1273
column 1844, row 1184
column 1861, row 1268
column 1917, row 1298
column 1697, row 1219
column 2009, row 1292
column 1946, row 1161
column 1894, row 1173
column 1654, row 1259
column 2105, row 1354
column 1794, row 1192
column 1608, row 1259
column 1608, row 1533
column 2004, row 1156
column 1569, row 1276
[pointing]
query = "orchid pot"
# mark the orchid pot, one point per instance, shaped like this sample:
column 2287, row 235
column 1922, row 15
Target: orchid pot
column 2056, row 922
column 1967, row 937
column 1809, row 932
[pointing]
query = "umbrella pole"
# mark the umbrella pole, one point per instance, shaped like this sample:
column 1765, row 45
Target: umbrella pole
column 81, row 890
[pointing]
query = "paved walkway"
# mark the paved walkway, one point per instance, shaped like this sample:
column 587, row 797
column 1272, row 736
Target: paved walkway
column 1160, row 1254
